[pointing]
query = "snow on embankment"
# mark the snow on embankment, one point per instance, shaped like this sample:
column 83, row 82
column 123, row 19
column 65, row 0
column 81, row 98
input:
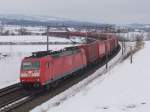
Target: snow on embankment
column 123, row 88
column 9, row 70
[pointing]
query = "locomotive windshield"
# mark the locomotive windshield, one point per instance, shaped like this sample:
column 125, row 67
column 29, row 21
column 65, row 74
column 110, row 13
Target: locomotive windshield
column 30, row 65
column 36, row 65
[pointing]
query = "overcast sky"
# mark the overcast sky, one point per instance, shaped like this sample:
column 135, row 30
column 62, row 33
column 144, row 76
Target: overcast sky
column 103, row 11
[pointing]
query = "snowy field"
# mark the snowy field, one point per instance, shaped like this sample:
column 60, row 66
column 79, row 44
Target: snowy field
column 30, row 38
column 125, row 88
column 132, row 36
column 37, row 30
column 10, row 60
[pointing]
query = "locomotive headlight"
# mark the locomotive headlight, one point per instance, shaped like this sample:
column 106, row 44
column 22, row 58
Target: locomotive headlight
column 35, row 74
column 24, row 75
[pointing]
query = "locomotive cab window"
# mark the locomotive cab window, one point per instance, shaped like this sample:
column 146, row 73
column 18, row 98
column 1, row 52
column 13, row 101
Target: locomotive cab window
column 30, row 65
column 36, row 65
column 26, row 65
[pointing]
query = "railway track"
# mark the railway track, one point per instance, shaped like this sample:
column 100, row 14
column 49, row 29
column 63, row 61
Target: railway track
column 9, row 89
column 10, row 94
column 13, row 96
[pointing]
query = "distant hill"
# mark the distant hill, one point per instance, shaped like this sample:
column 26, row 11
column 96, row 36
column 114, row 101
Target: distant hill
column 139, row 26
column 25, row 20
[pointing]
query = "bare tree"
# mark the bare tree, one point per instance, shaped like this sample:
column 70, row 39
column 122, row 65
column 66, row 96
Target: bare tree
column 23, row 31
column 139, row 41
column 148, row 36
column 1, row 28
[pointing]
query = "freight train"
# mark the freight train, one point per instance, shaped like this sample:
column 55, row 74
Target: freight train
column 45, row 68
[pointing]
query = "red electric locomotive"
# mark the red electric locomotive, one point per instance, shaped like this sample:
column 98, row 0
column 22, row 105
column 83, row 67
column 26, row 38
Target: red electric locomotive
column 45, row 67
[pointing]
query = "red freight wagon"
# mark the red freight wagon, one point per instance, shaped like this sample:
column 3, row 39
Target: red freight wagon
column 91, row 51
column 116, row 42
column 45, row 67
column 102, row 49
column 107, row 46
column 112, row 43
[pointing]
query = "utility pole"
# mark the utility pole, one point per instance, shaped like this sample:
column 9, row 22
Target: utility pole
column 68, row 31
column 47, row 38
column 122, row 47
column 106, row 60
column 86, row 35
column 1, row 27
column 131, row 55
column 106, row 55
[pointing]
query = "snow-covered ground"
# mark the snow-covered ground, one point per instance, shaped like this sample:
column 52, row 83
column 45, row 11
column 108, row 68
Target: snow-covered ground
column 125, row 88
column 34, row 30
column 31, row 39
